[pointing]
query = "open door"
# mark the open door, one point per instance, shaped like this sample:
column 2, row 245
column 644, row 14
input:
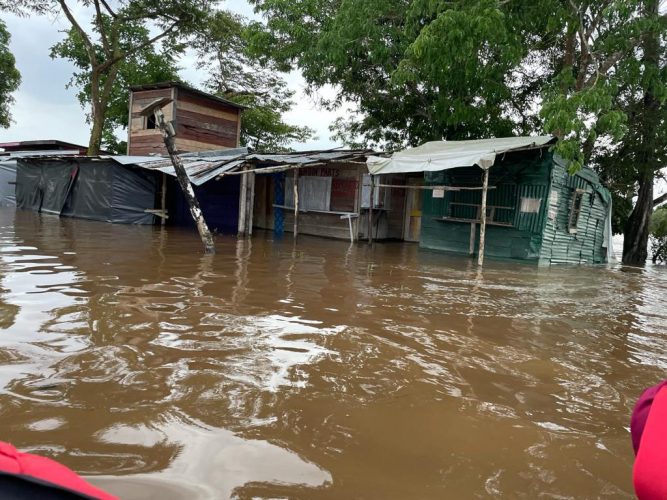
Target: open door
column 413, row 210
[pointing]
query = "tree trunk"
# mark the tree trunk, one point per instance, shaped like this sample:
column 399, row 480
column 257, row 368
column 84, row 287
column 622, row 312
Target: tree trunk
column 635, row 242
column 98, row 112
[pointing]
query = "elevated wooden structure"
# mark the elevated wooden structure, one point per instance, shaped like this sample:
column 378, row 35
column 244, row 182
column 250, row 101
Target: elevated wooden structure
column 202, row 121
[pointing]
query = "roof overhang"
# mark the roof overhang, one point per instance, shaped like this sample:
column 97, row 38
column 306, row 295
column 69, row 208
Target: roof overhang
column 443, row 155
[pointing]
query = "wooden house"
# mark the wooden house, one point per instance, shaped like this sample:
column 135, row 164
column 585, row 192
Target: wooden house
column 334, row 199
column 535, row 210
column 202, row 121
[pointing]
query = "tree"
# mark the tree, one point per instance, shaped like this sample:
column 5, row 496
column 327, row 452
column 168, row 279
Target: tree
column 144, row 66
column 167, row 20
column 10, row 78
column 241, row 78
column 421, row 70
column 658, row 228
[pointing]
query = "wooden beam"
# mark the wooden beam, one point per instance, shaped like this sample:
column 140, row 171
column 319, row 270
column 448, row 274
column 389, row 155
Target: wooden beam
column 370, row 212
column 473, row 234
column 482, row 227
column 250, row 202
column 241, row 229
column 163, row 201
column 295, row 183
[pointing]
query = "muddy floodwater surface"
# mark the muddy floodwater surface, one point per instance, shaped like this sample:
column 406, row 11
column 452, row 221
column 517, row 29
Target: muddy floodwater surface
column 321, row 369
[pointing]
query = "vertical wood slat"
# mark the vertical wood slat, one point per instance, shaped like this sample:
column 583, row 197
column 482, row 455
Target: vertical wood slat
column 482, row 227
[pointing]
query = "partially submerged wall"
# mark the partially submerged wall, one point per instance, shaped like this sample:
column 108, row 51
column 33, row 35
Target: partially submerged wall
column 585, row 242
column 511, row 232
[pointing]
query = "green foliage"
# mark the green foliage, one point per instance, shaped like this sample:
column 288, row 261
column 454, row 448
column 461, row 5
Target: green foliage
column 10, row 78
column 114, row 33
column 658, row 229
column 591, row 72
column 238, row 76
column 145, row 66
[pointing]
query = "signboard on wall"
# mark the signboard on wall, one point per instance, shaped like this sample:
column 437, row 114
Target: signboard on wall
column 343, row 194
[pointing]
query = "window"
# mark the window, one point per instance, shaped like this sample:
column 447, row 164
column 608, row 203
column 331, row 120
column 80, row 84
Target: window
column 553, row 205
column 530, row 205
column 150, row 122
column 380, row 196
column 575, row 210
column 314, row 193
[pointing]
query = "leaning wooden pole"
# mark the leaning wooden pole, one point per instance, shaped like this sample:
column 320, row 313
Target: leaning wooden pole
column 168, row 135
column 482, row 226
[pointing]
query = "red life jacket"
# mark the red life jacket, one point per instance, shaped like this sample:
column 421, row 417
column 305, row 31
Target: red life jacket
column 22, row 473
column 649, row 472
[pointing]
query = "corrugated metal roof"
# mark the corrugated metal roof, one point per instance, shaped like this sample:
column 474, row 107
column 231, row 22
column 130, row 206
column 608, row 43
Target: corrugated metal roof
column 203, row 166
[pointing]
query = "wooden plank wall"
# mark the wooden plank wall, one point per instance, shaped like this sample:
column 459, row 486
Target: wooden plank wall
column 201, row 124
column 204, row 124
column 142, row 141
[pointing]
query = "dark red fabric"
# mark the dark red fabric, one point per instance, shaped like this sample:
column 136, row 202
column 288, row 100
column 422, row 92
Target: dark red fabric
column 649, row 472
column 13, row 461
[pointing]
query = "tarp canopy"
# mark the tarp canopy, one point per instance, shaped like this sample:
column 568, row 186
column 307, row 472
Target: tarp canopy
column 442, row 155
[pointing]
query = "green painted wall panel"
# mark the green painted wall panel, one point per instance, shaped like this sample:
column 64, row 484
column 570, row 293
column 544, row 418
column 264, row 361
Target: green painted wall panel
column 586, row 245
column 539, row 237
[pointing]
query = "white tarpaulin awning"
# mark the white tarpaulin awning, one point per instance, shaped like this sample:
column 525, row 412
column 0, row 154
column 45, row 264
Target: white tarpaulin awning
column 442, row 155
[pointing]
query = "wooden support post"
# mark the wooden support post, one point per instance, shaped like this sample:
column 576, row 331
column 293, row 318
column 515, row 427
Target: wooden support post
column 482, row 227
column 163, row 203
column 250, row 202
column 473, row 231
column 243, row 194
column 168, row 135
column 295, row 183
column 370, row 213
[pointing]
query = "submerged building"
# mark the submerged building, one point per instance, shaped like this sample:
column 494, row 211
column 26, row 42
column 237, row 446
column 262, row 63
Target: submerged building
column 535, row 209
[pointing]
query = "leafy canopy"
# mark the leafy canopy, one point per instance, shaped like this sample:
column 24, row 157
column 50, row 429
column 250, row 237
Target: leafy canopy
column 244, row 79
column 152, row 63
column 10, row 78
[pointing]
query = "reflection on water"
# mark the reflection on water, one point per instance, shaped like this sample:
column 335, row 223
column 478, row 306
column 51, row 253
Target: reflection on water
column 320, row 370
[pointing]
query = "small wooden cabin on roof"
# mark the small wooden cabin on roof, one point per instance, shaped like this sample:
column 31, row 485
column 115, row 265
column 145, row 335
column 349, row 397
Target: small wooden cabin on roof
column 535, row 210
column 202, row 121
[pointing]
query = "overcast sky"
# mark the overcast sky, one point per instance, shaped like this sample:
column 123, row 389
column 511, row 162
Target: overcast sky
column 45, row 109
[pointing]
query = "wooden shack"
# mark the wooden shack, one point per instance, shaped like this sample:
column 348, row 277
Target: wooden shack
column 508, row 198
column 202, row 121
column 334, row 201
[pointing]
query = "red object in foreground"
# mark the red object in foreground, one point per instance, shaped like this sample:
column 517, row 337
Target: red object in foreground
column 649, row 419
column 45, row 472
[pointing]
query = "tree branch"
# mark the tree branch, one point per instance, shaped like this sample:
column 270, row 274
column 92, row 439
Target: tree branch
column 137, row 48
column 84, row 36
column 109, row 9
column 660, row 199
column 100, row 26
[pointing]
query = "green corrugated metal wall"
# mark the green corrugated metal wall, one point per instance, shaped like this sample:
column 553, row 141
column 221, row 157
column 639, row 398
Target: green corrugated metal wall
column 587, row 244
column 515, row 176
column 533, row 236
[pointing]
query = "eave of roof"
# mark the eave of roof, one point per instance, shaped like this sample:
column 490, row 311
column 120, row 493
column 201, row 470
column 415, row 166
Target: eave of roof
column 206, row 95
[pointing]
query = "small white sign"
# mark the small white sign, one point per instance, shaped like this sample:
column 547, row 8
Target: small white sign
column 438, row 193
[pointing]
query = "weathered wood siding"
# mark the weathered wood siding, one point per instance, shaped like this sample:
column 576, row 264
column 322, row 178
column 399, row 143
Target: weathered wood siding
column 587, row 245
column 201, row 124
column 204, row 124
column 142, row 141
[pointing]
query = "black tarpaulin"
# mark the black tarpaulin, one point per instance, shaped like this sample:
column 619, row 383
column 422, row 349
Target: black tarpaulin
column 87, row 188
column 42, row 185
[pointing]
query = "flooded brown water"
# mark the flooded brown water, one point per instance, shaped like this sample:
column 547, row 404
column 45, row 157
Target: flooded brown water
column 318, row 371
